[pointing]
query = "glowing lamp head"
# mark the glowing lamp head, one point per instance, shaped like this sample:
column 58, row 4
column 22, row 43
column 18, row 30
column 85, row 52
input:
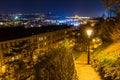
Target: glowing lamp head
column 89, row 32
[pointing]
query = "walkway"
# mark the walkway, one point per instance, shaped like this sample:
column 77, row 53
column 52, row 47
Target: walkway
column 84, row 71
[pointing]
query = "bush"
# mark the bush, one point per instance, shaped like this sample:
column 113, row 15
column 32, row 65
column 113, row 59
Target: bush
column 58, row 64
column 107, row 63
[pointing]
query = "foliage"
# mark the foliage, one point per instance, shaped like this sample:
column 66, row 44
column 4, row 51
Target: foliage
column 100, row 48
column 17, row 68
column 108, row 30
column 111, row 6
column 57, row 64
column 107, row 62
column 82, row 38
column 115, row 32
column 110, row 3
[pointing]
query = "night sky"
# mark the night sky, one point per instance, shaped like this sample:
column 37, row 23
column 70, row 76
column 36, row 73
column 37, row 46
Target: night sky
column 59, row 7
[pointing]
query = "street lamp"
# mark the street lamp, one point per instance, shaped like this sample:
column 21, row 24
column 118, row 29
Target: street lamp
column 89, row 32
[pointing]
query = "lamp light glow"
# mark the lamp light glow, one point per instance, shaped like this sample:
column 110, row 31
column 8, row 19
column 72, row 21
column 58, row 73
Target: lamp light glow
column 89, row 32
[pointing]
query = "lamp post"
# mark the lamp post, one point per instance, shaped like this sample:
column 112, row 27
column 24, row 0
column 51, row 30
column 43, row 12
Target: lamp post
column 89, row 32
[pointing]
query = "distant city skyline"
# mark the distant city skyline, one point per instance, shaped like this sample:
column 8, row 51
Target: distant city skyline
column 91, row 8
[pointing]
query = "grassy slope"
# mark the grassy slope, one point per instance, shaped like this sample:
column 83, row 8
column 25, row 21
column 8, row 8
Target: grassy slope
column 107, row 50
column 100, row 49
column 105, row 60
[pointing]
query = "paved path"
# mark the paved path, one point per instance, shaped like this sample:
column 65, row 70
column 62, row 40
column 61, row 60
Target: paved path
column 84, row 71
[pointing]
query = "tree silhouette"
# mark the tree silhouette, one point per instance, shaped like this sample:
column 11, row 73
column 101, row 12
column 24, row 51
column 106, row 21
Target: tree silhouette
column 111, row 6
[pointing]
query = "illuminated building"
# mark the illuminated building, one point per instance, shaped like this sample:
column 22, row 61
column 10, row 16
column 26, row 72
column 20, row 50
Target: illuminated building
column 44, row 41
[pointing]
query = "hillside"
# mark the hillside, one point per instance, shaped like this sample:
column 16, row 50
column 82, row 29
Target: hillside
column 106, row 60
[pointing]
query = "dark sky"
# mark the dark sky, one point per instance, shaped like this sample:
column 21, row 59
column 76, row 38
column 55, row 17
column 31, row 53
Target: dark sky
column 58, row 7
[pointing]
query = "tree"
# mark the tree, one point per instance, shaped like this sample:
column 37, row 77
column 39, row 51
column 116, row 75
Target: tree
column 16, row 69
column 18, row 66
column 57, row 64
column 111, row 6
column 115, row 32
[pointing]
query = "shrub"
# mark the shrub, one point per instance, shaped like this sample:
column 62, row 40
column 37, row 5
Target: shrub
column 107, row 63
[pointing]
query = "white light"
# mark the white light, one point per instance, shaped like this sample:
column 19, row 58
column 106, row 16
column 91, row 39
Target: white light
column 76, row 24
column 16, row 17
column 1, row 23
column 89, row 32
